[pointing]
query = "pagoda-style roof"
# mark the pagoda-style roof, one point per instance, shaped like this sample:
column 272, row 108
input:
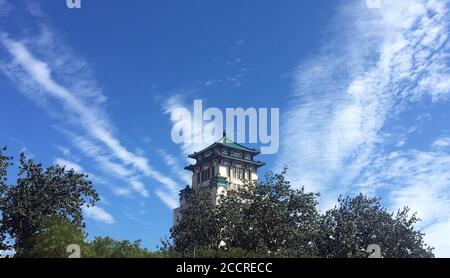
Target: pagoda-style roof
column 229, row 143
column 226, row 142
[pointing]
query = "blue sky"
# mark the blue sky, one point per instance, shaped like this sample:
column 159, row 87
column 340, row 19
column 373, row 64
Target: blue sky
column 363, row 96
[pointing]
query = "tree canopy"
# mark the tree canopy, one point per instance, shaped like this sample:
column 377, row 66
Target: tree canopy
column 271, row 219
column 199, row 227
column 55, row 235
column 38, row 194
column 349, row 228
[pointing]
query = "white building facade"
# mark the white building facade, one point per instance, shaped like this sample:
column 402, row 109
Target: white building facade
column 223, row 166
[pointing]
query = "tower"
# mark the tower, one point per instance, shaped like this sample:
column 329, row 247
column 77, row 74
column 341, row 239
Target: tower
column 223, row 166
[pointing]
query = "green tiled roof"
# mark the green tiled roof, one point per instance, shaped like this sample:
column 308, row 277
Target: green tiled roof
column 224, row 141
column 229, row 143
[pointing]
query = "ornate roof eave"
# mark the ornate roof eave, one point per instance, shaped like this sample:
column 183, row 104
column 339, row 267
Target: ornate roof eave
column 258, row 164
column 226, row 142
column 189, row 167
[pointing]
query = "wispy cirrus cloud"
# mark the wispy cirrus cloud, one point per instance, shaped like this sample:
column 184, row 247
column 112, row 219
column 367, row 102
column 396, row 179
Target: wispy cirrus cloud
column 175, row 166
column 178, row 101
column 50, row 73
column 5, row 8
column 69, row 165
column 170, row 105
column 337, row 133
column 169, row 198
column 89, row 117
column 139, row 221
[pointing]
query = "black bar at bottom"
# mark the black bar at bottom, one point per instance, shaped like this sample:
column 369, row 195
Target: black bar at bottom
column 222, row 267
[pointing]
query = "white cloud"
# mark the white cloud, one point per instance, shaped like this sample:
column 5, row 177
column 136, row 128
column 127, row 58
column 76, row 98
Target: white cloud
column 235, row 61
column 239, row 42
column 175, row 166
column 177, row 101
column 69, row 165
column 169, row 199
column 437, row 235
column 5, row 8
column 121, row 191
column 442, row 143
column 105, row 162
column 377, row 63
column 98, row 214
column 65, row 151
column 417, row 179
column 139, row 221
column 82, row 102
column 213, row 82
column 34, row 8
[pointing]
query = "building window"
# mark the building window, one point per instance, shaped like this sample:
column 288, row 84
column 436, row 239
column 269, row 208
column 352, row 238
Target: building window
column 213, row 170
column 198, row 177
column 241, row 174
column 206, row 174
column 238, row 173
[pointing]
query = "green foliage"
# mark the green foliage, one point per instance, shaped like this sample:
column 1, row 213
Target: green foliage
column 54, row 236
column 347, row 231
column 106, row 247
column 57, row 233
column 199, row 225
column 270, row 219
column 264, row 219
column 5, row 162
column 37, row 195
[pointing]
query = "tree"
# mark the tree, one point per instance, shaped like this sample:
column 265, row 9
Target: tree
column 262, row 219
column 348, row 229
column 199, row 226
column 5, row 162
column 270, row 218
column 106, row 247
column 38, row 194
column 54, row 236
